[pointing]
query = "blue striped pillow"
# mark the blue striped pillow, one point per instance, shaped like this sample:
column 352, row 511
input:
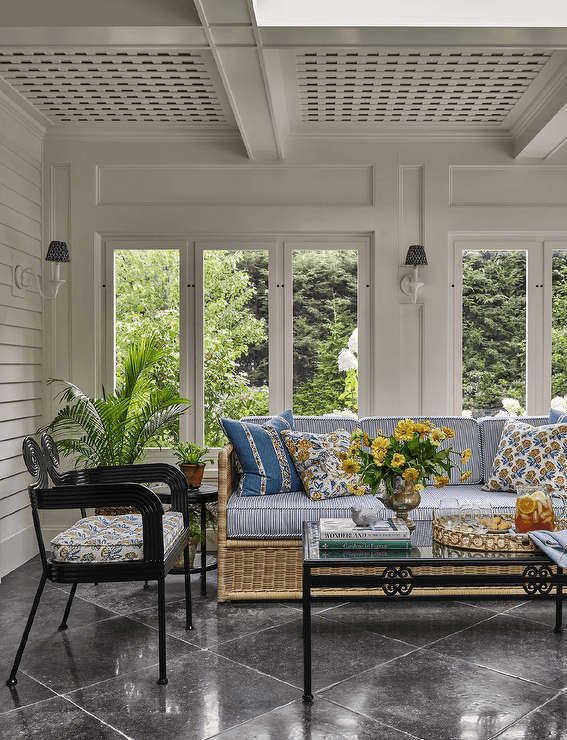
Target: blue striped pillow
column 557, row 415
column 262, row 457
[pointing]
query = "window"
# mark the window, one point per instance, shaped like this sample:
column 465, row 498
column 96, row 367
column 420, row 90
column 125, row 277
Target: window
column 249, row 327
column 493, row 330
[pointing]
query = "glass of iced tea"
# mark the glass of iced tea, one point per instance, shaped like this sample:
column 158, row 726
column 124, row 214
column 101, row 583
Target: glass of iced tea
column 534, row 509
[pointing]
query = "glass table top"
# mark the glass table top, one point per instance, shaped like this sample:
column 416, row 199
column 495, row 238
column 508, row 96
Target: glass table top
column 424, row 548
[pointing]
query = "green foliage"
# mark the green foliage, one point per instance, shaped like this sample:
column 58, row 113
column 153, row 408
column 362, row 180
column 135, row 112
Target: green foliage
column 559, row 325
column 116, row 429
column 191, row 454
column 494, row 328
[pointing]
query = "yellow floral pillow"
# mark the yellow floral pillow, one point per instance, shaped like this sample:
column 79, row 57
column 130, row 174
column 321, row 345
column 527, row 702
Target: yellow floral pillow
column 528, row 454
column 317, row 460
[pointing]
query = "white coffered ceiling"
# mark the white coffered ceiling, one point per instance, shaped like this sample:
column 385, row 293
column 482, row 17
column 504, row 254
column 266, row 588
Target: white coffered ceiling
column 208, row 69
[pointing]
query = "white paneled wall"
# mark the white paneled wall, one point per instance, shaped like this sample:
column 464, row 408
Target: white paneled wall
column 21, row 327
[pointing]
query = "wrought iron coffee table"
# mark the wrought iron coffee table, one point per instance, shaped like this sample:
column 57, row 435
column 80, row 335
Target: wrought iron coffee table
column 427, row 570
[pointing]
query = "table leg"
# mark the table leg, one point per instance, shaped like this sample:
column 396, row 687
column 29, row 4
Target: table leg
column 306, row 603
column 204, row 550
column 559, row 606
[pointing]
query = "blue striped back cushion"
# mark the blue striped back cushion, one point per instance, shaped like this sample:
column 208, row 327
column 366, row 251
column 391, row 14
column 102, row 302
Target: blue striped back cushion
column 491, row 430
column 315, row 424
column 467, row 436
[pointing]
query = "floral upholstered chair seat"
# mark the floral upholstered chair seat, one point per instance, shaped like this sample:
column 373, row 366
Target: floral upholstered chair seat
column 110, row 538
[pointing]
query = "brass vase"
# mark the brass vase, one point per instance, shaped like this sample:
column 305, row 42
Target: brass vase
column 404, row 498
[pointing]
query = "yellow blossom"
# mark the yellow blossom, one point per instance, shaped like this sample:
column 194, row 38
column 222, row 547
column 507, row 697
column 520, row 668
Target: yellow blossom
column 353, row 449
column 366, row 439
column 440, row 481
column 350, row 465
column 437, row 436
column 449, row 433
column 465, row 476
column 423, row 429
column 465, row 456
column 419, row 487
column 380, row 444
column 398, row 460
column 355, row 489
column 410, row 474
column 404, row 430
column 379, row 457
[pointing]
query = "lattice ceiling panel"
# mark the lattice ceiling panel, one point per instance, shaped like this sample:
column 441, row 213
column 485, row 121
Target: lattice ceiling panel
column 115, row 86
column 444, row 87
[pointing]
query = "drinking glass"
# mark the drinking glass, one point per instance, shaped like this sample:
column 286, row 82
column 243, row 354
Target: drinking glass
column 471, row 517
column 485, row 516
column 449, row 511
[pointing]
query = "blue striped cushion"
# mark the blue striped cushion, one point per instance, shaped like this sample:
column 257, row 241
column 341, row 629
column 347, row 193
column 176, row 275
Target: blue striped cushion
column 261, row 455
column 467, row 436
column 277, row 517
column 557, row 415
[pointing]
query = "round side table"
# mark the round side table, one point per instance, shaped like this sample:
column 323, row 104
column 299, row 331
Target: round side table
column 203, row 495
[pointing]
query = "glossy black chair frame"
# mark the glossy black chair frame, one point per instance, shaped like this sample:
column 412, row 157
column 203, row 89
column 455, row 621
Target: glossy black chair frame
column 107, row 487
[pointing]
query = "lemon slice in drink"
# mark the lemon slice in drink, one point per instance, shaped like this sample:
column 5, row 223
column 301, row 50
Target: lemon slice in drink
column 526, row 504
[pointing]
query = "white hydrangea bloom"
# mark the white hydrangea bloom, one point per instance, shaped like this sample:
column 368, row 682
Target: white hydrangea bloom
column 353, row 341
column 347, row 361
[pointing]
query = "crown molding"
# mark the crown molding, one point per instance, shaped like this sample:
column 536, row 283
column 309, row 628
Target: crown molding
column 13, row 109
column 138, row 132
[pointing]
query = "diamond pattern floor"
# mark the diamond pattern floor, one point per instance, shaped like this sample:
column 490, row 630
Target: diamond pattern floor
column 399, row 670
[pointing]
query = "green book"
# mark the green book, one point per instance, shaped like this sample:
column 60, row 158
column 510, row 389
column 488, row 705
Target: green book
column 401, row 552
column 349, row 544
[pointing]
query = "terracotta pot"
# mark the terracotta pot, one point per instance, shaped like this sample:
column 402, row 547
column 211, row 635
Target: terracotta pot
column 193, row 473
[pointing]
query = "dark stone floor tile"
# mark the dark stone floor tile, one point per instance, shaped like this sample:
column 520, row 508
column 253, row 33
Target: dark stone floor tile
column 412, row 622
column 549, row 722
column 127, row 597
column 217, row 623
column 206, row 694
column 96, row 652
column 542, row 612
column 496, row 605
column 56, row 719
column 339, row 651
column 14, row 613
column 515, row 646
column 25, row 692
column 321, row 720
column 436, row 697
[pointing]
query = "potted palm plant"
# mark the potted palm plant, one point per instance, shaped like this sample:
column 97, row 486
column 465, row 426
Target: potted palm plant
column 117, row 428
column 190, row 460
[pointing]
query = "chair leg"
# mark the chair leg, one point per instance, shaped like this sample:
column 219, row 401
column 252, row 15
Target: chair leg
column 161, row 632
column 63, row 625
column 12, row 680
column 188, row 604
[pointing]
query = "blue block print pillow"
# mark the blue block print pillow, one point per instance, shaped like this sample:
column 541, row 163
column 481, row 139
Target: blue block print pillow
column 262, row 457
column 532, row 455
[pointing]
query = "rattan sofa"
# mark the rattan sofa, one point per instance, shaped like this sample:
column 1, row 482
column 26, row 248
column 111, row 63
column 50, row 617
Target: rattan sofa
column 259, row 560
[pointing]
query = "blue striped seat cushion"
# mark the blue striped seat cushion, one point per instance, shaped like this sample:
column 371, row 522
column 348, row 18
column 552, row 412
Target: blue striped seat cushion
column 277, row 517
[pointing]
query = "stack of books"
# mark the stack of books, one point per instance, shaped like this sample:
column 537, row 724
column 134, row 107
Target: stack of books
column 344, row 534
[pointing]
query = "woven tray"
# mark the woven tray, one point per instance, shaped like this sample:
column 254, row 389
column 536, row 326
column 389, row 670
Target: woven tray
column 491, row 541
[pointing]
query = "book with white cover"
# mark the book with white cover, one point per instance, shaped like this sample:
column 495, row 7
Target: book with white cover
column 343, row 529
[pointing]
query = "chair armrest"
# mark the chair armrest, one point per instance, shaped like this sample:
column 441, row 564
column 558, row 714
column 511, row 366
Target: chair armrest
column 227, row 482
column 143, row 473
column 115, row 494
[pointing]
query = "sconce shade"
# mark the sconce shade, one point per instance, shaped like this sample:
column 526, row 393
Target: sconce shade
column 57, row 252
column 416, row 256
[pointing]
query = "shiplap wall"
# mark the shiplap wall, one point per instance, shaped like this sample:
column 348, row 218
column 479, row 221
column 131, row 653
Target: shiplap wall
column 20, row 327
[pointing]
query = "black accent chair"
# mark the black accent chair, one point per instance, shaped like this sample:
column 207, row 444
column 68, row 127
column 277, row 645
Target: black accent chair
column 108, row 487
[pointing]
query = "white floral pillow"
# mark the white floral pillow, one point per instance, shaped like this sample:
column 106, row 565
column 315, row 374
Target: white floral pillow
column 316, row 459
column 528, row 454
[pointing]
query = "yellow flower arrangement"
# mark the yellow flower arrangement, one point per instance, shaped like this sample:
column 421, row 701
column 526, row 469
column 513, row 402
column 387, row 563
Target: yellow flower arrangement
column 412, row 452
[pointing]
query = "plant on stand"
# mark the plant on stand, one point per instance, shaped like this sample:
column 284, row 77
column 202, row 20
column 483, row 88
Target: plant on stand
column 190, row 460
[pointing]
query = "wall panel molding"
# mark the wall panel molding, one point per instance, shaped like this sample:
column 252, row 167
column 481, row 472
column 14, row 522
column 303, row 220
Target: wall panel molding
column 512, row 186
column 183, row 185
